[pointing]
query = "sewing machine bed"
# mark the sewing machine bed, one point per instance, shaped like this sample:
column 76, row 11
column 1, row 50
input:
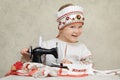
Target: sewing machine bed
column 94, row 77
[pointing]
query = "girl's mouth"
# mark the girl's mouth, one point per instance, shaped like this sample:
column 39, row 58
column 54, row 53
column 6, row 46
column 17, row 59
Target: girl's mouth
column 75, row 35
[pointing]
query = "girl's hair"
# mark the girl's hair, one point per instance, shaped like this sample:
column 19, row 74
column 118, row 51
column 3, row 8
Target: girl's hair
column 64, row 6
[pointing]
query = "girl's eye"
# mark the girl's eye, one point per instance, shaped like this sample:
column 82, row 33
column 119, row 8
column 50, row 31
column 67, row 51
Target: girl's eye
column 80, row 27
column 75, row 27
column 72, row 27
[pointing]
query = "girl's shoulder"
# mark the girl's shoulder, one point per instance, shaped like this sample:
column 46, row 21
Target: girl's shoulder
column 54, row 40
column 49, row 43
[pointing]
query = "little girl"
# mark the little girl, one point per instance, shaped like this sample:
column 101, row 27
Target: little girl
column 70, row 20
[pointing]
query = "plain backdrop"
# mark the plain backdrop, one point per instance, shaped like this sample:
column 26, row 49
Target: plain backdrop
column 23, row 21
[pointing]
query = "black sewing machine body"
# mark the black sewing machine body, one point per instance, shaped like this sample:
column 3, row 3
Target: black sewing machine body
column 37, row 52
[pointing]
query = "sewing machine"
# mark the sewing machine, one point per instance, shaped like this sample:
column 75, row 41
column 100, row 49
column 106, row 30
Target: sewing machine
column 37, row 52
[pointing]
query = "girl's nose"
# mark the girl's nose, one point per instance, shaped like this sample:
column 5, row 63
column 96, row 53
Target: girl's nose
column 78, row 31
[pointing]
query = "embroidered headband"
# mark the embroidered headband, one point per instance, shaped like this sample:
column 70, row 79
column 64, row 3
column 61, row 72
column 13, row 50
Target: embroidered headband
column 70, row 14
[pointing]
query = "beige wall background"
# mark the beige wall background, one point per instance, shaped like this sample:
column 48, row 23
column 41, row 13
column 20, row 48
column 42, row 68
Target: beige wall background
column 23, row 21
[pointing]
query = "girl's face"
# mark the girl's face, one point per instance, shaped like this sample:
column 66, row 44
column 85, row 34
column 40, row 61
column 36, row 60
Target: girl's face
column 71, row 32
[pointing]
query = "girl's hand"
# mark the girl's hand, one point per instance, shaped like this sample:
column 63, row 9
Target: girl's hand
column 25, row 55
column 24, row 51
column 66, row 61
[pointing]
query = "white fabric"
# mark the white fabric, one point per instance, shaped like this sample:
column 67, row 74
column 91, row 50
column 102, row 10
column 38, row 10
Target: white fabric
column 73, row 70
column 74, row 52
